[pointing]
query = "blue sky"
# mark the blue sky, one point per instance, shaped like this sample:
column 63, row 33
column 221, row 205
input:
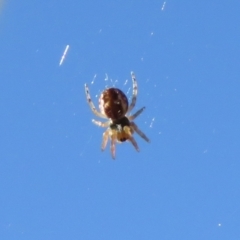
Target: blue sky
column 56, row 183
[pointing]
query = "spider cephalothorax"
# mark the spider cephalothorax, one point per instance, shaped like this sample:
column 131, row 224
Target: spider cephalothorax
column 113, row 105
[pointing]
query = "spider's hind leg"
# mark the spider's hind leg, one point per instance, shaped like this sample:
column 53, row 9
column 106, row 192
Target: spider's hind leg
column 134, row 94
column 91, row 104
column 136, row 114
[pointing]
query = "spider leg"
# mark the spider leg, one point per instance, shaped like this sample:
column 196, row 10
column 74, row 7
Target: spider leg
column 90, row 102
column 134, row 143
column 139, row 132
column 100, row 124
column 105, row 139
column 130, row 118
column 129, row 131
column 113, row 144
column 135, row 91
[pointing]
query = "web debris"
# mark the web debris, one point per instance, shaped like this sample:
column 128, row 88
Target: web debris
column 163, row 6
column 151, row 124
column 64, row 54
column 94, row 77
column 109, row 80
column 106, row 77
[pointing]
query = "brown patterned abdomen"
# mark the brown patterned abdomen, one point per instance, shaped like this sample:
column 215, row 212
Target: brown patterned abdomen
column 114, row 103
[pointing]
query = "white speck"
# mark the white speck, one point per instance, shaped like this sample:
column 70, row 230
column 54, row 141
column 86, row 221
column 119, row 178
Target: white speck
column 106, row 77
column 125, row 82
column 64, row 54
column 115, row 82
column 219, row 225
column 163, row 6
column 151, row 124
column 94, row 77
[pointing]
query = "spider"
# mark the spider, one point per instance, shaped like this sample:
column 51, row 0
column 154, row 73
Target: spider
column 113, row 106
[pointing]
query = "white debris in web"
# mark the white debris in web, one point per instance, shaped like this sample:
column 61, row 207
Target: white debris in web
column 106, row 77
column 163, row 6
column 94, row 77
column 151, row 124
column 64, row 55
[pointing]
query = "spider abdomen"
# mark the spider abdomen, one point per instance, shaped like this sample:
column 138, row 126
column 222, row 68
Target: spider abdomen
column 113, row 103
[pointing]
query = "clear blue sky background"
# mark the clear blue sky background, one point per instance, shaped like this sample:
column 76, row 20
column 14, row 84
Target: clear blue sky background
column 55, row 183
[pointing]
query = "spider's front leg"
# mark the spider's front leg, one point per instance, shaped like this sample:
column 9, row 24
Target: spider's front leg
column 113, row 136
column 130, row 138
column 139, row 132
column 105, row 139
column 100, row 124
